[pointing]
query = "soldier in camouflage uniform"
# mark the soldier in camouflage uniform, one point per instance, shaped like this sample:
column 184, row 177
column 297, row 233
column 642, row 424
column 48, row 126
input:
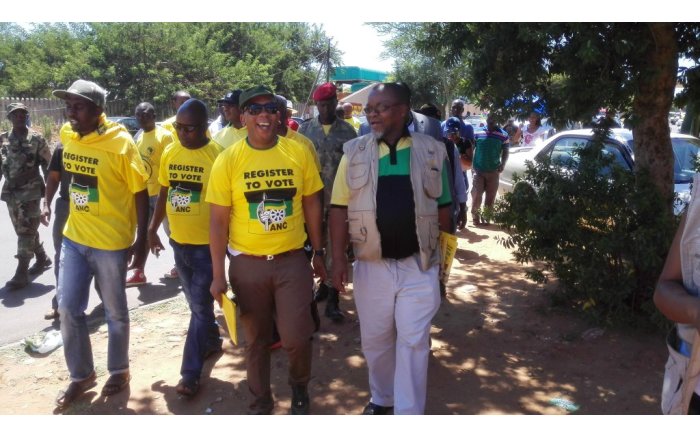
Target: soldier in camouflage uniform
column 22, row 152
column 328, row 133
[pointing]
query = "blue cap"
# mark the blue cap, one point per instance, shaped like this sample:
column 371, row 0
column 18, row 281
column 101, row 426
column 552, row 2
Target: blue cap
column 453, row 124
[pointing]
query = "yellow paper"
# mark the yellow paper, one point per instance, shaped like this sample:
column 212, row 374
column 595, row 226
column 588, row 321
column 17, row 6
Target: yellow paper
column 229, row 309
column 448, row 250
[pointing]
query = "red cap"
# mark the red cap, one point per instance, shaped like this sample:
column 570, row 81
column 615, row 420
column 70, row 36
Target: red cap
column 325, row 92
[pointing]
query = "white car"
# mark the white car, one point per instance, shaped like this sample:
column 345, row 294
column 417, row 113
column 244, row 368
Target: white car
column 619, row 145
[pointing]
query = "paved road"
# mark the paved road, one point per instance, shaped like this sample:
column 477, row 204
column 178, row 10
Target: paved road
column 22, row 311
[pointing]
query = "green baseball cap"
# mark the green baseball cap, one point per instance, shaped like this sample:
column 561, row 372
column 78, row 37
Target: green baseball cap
column 15, row 106
column 85, row 89
column 251, row 93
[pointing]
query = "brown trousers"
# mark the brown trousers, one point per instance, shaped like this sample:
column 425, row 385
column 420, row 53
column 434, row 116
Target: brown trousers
column 279, row 289
column 484, row 182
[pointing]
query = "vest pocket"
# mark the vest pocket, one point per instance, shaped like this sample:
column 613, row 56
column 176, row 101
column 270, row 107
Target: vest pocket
column 432, row 181
column 356, row 227
column 428, row 231
column 358, row 175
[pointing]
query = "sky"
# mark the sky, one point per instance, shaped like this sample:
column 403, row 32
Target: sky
column 360, row 43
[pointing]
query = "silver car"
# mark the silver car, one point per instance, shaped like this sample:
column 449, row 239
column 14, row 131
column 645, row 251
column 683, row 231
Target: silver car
column 619, row 145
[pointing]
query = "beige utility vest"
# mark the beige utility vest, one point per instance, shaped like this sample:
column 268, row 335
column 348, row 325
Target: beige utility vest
column 427, row 159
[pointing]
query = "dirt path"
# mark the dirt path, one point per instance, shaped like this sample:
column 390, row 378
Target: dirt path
column 497, row 348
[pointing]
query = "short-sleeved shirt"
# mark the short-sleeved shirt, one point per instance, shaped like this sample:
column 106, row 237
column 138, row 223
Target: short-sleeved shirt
column 396, row 216
column 489, row 146
column 151, row 145
column 264, row 189
column 229, row 135
column 186, row 172
column 56, row 164
column 106, row 171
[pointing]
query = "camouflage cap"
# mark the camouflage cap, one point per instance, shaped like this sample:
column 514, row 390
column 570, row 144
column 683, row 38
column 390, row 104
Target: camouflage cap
column 15, row 106
column 85, row 89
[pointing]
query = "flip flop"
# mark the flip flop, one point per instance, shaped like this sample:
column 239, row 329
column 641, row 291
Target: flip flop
column 187, row 387
column 116, row 383
column 74, row 390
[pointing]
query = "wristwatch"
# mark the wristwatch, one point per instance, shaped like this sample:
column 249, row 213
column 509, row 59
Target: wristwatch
column 319, row 252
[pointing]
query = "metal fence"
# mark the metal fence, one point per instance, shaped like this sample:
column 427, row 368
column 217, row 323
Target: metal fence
column 55, row 108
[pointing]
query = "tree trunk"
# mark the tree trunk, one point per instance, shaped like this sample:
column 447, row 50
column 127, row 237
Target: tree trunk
column 657, row 80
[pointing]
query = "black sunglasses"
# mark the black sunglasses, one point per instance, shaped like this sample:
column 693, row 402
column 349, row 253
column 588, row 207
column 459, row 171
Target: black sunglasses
column 256, row 108
column 189, row 128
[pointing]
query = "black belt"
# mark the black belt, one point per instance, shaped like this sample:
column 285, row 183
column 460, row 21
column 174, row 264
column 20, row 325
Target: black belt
column 273, row 257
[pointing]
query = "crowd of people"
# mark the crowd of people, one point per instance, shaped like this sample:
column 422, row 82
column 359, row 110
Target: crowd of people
column 256, row 204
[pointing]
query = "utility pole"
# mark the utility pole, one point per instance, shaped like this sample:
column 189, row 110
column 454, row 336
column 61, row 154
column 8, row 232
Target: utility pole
column 328, row 62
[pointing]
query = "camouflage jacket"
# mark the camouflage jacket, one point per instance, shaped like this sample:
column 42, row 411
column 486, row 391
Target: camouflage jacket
column 20, row 159
column 329, row 148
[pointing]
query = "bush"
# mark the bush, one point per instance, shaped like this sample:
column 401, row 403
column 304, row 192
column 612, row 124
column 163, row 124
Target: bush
column 601, row 230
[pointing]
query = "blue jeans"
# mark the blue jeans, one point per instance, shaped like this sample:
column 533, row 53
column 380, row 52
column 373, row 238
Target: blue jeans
column 193, row 263
column 79, row 264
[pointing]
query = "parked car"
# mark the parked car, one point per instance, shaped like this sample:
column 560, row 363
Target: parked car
column 620, row 145
column 477, row 121
column 129, row 123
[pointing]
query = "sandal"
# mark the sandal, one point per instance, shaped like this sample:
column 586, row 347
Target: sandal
column 74, row 390
column 116, row 383
column 187, row 387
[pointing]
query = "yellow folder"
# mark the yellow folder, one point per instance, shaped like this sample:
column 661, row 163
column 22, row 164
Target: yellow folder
column 448, row 250
column 228, row 306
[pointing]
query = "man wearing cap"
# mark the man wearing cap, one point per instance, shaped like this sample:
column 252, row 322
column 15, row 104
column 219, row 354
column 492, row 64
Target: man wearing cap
column 466, row 131
column 109, row 201
column 291, row 123
column 232, row 114
column 328, row 134
column 151, row 144
column 22, row 152
column 391, row 198
column 263, row 190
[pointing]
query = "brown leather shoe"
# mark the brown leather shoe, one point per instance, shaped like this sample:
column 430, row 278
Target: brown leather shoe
column 74, row 390
column 116, row 383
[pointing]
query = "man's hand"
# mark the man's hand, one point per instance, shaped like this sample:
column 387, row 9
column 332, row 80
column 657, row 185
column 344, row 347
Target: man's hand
column 319, row 267
column 136, row 255
column 45, row 214
column 340, row 274
column 217, row 288
column 154, row 243
column 462, row 216
column 500, row 168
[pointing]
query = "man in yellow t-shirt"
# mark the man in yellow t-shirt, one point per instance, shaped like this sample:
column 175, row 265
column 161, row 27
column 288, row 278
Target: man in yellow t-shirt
column 108, row 196
column 183, row 178
column 151, row 143
column 263, row 189
column 232, row 113
column 176, row 100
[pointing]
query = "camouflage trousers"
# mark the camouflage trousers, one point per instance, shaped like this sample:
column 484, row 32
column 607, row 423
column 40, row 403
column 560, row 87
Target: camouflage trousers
column 25, row 219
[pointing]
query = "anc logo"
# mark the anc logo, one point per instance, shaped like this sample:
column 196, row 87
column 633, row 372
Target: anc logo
column 80, row 194
column 180, row 197
column 271, row 211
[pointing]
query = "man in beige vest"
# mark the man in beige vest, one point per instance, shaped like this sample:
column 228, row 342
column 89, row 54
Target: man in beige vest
column 391, row 197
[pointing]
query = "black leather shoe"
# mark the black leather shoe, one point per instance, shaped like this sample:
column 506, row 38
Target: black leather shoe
column 300, row 400
column 332, row 309
column 321, row 293
column 377, row 410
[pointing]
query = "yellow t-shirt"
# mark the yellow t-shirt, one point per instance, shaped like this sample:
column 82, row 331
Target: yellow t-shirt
column 168, row 124
column 229, row 135
column 299, row 138
column 326, row 128
column 106, row 171
column 151, row 145
column 264, row 189
column 186, row 174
